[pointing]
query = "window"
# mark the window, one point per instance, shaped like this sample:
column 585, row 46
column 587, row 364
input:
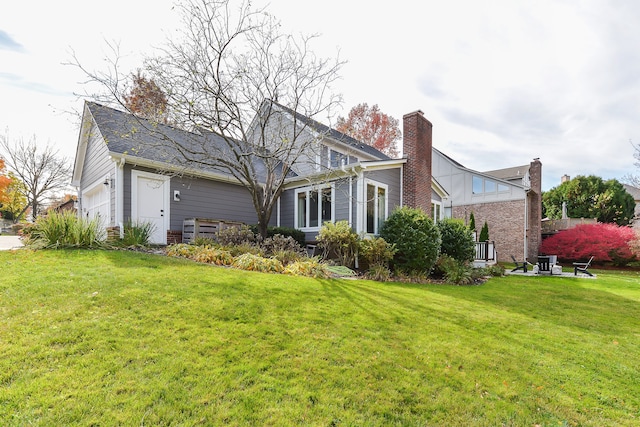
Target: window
column 436, row 210
column 481, row 185
column 313, row 207
column 489, row 186
column 376, row 207
column 336, row 159
column 477, row 185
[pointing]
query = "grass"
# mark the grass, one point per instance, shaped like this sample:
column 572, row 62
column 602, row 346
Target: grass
column 122, row 338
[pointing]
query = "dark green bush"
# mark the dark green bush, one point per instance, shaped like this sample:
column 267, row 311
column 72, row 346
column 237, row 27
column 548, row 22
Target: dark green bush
column 298, row 235
column 484, row 233
column 416, row 239
column 457, row 240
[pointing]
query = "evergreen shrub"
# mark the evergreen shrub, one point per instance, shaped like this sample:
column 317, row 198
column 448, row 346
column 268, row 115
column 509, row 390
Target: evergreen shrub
column 416, row 239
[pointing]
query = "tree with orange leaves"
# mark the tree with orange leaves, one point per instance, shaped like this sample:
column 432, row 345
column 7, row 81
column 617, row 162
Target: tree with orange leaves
column 372, row 127
column 146, row 99
column 5, row 180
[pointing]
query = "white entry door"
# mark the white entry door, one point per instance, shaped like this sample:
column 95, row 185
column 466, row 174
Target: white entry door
column 150, row 203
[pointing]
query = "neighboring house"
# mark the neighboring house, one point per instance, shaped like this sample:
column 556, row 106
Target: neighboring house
column 67, row 205
column 124, row 171
column 635, row 192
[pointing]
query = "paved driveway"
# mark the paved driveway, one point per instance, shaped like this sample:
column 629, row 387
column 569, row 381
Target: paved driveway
column 10, row 242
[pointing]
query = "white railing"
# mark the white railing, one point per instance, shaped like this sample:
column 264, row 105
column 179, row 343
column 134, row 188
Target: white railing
column 486, row 251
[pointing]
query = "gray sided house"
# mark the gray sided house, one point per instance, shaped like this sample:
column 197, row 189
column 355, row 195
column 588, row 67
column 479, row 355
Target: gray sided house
column 124, row 171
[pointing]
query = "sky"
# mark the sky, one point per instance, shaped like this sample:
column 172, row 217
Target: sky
column 502, row 82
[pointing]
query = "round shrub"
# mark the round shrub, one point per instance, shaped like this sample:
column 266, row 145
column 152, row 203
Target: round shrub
column 416, row 239
column 457, row 240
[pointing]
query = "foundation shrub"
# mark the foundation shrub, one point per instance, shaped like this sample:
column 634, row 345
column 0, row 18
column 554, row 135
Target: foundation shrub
column 378, row 272
column 204, row 241
column 376, row 252
column 338, row 241
column 244, row 248
column 279, row 243
column 416, row 239
column 236, row 236
column 454, row 271
column 297, row 235
column 457, row 240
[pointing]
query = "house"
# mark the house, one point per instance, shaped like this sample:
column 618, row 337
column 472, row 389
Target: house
column 125, row 171
column 635, row 192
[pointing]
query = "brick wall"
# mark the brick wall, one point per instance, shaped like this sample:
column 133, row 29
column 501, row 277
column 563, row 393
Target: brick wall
column 417, row 148
column 506, row 225
column 534, row 210
column 174, row 237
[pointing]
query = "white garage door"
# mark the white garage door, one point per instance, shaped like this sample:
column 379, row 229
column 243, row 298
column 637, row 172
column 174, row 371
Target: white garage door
column 96, row 203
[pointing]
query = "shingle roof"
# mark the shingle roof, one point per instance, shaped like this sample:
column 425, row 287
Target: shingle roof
column 335, row 135
column 509, row 173
column 127, row 134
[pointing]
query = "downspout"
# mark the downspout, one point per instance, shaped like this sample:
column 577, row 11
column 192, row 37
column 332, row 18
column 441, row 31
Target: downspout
column 120, row 195
column 278, row 212
column 526, row 221
column 350, row 201
column 401, row 186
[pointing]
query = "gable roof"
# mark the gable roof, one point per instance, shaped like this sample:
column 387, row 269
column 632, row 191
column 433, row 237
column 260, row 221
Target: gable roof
column 634, row 191
column 134, row 138
column 508, row 174
column 335, row 135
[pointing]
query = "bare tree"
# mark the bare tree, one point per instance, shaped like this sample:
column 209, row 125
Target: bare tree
column 40, row 169
column 630, row 179
column 231, row 73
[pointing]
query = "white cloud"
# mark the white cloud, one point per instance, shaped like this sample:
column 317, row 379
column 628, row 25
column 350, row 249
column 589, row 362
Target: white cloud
column 502, row 81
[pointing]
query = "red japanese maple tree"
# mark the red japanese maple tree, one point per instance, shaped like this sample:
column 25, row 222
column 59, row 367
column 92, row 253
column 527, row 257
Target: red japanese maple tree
column 605, row 242
column 372, row 127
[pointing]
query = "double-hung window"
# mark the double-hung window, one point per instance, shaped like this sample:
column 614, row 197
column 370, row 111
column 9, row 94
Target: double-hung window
column 314, row 207
column 377, row 206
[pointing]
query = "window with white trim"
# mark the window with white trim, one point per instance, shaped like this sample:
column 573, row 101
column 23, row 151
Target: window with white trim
column 436, row 210
column 313, row 207
column 377, row 206
column 337, row 159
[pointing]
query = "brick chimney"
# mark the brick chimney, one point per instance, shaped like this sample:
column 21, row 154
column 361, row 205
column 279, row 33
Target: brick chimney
column 534, row 210
column 417, row 147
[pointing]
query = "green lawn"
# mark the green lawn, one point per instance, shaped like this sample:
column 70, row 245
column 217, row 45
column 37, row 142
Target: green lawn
column 120, row 338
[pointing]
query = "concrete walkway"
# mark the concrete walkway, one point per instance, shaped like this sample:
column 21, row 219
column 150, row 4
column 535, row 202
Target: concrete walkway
column 10, row 242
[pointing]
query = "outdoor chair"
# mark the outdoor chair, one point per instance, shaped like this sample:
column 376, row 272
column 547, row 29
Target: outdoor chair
column 544, row 265
column 519, row 265
column 582, row 267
